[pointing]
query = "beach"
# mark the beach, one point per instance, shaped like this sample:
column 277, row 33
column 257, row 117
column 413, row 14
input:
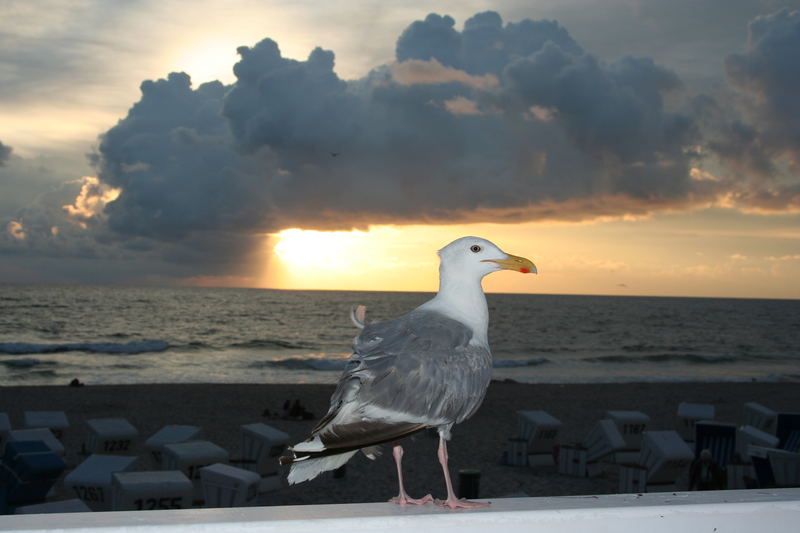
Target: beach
column 476, row 444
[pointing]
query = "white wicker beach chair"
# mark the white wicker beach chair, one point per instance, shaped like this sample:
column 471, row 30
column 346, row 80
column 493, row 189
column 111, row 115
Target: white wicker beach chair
column 190, row 457
column 91, row 480
column 540, row 431
column 55, row 421
column 110, row 436
column 168, row 435
column 666, row 456
column 228, row 486
column 150, row 491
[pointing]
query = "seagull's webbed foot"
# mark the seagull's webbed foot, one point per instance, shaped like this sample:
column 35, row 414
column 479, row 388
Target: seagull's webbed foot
column 402, row 497
column 455, row 503
column 452, row 502
column 405, row 499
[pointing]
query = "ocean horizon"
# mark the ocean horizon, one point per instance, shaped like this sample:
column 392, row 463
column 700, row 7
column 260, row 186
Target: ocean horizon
column 51, row 334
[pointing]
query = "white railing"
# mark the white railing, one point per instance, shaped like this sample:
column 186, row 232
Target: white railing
column 773, row 510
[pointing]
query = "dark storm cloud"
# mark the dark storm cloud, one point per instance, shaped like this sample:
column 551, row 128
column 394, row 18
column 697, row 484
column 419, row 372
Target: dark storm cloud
column 5, row 153
column 768, row 74
column 509, row 123
column 484, row 46
column 758, row 139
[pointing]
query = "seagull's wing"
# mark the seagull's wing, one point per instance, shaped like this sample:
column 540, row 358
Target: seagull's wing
column 405, row 374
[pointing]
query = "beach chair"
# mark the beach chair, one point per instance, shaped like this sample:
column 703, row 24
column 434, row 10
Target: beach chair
column 516, row 452
column 666, row 456
column 64, row 506
column 792, row 442
column 228, row 486
column 150, row 491
column 691, row 413
column 786, row 424
column 760, row 417
column 110, row 436
column 168, row 435
column 747, row 435
column 189, row 457
column 55, row 421
column 603, row 440
column 91, row 480
column 764, row 477
column 39, row 434
column 631, row 425
column 540, row 430
column 785, row 467
column 261, row 447
column 572, row 461
column 272, row 482
column 717, row 437
column 738, row 474
column 29, row 470
column 632, row 479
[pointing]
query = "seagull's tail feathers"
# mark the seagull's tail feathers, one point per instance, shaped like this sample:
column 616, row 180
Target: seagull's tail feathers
column 306, row 468
column 338, row 444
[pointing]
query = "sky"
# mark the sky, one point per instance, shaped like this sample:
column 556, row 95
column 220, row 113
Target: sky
column 627, row 147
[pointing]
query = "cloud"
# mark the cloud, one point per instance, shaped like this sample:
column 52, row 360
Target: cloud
column 767, row 74
column 496, row 122
column 755, row 131
column 484, row 46
column 91, row 201
column 15, row 229
column 417, row 71
column 5, row 153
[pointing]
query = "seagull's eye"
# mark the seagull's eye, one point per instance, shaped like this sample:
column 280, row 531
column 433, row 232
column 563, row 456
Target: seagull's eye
column 475, row 248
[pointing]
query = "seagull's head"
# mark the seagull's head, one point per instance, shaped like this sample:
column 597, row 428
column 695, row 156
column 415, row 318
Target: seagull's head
column 478, row 257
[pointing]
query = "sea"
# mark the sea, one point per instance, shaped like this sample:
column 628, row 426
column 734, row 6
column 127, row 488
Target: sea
column 52, row 334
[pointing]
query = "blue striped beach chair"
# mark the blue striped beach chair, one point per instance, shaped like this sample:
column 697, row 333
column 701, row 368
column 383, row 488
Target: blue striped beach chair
column 717, row 437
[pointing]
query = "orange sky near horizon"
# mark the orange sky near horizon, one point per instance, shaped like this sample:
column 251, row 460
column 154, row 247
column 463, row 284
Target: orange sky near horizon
column 663, row 255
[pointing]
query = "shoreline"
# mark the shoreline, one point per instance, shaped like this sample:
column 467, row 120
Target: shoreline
column 477, row 443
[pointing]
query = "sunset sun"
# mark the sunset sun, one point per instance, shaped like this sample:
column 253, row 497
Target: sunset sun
column 301, row 249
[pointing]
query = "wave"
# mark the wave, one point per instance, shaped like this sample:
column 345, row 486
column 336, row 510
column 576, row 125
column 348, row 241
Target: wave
column 303, row 363
column 34, row 374
column 24, row 362
column 269, row 343
column 127, row 348
column 513, row 363
column 665, row 358
column 338, row 364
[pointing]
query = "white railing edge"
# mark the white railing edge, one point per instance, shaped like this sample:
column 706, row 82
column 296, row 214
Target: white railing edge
column 685, row 512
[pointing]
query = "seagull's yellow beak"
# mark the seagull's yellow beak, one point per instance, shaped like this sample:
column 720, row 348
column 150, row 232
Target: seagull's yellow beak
column 514, row 262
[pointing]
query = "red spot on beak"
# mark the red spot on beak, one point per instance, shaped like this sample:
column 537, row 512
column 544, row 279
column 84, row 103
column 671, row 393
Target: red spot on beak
column 524, row 270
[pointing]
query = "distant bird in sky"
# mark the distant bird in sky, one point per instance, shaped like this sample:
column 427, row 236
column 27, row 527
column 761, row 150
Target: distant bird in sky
column 335, row 154
column 428, row 368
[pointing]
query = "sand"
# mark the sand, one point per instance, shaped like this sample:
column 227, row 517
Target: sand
column 220, row 410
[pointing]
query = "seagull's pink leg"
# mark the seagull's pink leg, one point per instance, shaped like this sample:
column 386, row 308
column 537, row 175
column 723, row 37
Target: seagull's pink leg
column 403, row 498
column 452, row 502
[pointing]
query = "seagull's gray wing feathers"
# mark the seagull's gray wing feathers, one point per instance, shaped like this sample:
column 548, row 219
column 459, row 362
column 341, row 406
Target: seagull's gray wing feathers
column 418, row 370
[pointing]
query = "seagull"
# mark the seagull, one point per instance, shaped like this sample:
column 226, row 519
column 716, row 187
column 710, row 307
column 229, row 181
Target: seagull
column 429, row 368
